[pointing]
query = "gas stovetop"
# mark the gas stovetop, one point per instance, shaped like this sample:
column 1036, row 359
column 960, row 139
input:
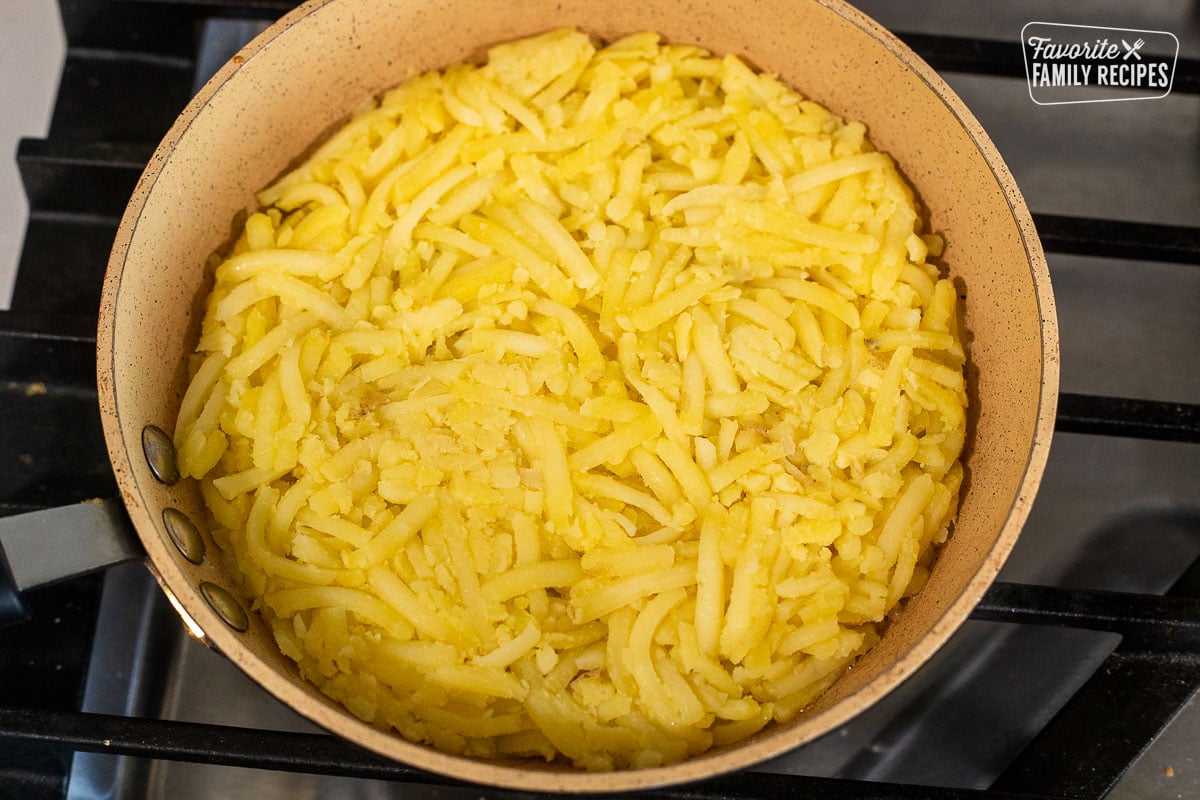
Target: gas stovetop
column 1063, row 685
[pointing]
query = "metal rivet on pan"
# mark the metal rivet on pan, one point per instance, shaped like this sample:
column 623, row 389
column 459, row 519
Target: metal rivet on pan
column 226, row 606
column 160, row 454
column 184, row 534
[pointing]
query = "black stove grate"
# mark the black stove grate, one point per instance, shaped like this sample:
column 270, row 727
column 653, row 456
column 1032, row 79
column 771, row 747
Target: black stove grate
column 129, row 70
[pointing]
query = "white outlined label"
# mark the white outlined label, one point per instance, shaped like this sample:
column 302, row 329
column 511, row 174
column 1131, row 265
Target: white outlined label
column 1091, row 64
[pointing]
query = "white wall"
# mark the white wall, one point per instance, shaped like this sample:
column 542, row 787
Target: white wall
column 32, row 47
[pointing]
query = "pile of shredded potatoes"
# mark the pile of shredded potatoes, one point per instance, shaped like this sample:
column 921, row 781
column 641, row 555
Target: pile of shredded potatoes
column 597, row 403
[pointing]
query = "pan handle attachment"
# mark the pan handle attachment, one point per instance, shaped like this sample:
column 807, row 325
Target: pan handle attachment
column 43, row 547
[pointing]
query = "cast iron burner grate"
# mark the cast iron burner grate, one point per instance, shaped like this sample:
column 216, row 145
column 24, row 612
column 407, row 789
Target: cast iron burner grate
column 129, row 70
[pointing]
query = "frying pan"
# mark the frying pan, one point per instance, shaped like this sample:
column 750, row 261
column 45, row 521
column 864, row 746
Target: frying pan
column 306, row 73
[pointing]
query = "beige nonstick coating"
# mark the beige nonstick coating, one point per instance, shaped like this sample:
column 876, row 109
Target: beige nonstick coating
column 309, row 71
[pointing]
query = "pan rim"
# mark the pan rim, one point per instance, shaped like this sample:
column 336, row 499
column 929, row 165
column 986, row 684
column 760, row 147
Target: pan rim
column 709, row 764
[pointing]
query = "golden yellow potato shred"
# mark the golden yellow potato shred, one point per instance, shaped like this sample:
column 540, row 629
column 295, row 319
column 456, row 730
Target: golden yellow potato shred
column 595, row 403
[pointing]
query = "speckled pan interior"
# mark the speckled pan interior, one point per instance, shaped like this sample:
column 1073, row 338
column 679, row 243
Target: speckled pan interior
column 313, row 67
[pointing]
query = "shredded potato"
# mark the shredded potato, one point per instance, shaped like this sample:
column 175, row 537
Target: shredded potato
column 597, row 403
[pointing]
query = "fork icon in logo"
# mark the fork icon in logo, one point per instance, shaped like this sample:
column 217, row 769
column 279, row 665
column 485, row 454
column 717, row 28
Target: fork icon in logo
column 1133, row 50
